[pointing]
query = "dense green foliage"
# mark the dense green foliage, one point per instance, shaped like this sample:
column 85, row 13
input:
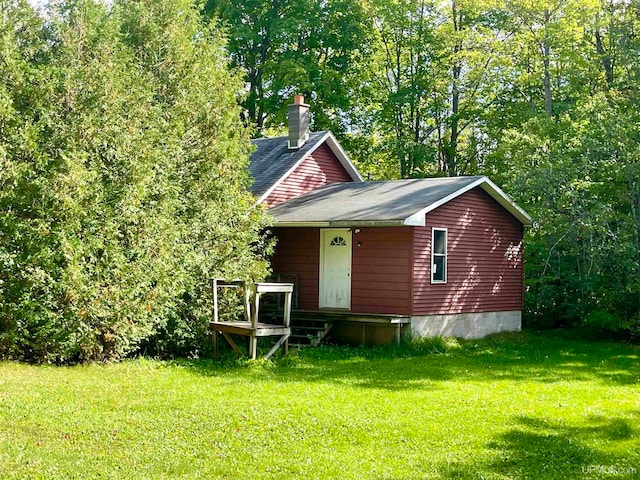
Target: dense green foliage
column 581, row 181
column 123, row 154
column 543, row 97
column 512, row 407
column 310, row 47
column 122, row 179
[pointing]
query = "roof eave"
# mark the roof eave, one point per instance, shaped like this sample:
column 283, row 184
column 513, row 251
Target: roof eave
column 335, row 147
column 418, row 218
column 344, row 159
column 342, row 223
column 503, row 199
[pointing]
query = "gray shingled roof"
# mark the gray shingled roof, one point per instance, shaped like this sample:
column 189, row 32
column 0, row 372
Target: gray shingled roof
column 272, row 159
column 397, row 202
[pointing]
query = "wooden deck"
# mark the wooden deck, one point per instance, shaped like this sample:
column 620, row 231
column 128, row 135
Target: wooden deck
column 247, row 328
column 251, row 327
column 362, row 326
column 343, row 315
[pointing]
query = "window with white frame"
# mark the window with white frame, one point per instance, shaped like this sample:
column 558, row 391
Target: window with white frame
column 438, row 255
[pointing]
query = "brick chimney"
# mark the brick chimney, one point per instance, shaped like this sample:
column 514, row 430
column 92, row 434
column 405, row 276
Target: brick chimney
column 298, row 123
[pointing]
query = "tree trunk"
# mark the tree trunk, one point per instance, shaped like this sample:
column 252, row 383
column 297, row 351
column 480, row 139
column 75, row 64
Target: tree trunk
column 251, row 103
column 605, row 57
column 451, row 148
column 546, row 53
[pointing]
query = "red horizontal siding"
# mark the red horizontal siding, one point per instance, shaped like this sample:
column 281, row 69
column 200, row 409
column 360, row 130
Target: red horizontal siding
column 484, row 258
column 320, row 168
column 380, row 271
column 298, row 252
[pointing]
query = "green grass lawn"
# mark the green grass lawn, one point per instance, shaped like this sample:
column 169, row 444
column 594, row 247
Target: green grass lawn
column 513, row 406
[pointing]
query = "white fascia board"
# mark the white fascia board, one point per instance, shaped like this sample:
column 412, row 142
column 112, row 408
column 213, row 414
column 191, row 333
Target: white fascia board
column 415, row 220
column 335, row 147
column 504, row 200
column 343, row 223
column 344, row 159
column 418, row 219
column 302, row 224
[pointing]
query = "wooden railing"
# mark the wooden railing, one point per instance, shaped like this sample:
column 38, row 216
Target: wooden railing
column 251, row 326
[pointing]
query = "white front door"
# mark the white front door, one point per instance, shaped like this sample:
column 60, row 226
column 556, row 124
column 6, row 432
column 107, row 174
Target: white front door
column 335, row 268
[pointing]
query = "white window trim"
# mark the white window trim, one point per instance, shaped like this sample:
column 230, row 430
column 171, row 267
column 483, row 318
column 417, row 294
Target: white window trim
column 433, row 254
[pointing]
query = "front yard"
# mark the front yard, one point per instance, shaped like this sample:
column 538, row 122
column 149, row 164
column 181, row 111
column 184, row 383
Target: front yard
column 514, row 406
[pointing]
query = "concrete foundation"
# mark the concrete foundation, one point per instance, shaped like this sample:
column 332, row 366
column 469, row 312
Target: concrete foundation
column 466, row 325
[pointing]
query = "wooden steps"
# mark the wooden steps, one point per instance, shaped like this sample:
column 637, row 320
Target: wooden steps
column 310, row 327
column 308, row 332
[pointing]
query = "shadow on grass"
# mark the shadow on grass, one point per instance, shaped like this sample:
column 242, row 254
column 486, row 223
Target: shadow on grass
column 541, row 449
column 416, row 365
column 391, row 374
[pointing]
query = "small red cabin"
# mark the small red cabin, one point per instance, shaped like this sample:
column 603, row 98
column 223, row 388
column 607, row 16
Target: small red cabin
column 438, row 256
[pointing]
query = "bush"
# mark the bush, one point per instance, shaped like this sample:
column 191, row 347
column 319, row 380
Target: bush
column 123, row 179
column 605, row 321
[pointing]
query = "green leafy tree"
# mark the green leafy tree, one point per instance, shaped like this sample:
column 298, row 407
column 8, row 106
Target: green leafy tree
column 550, row 52
column 431, row 79
column 123, row 180
column 566, row 147
column 403, row 81
column 285, row 47
column 579, row 181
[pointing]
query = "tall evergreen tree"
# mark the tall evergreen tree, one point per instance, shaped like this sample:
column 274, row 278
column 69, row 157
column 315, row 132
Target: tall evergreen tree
column 123, row 178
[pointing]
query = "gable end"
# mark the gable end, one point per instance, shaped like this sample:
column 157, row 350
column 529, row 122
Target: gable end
column 319, row 168
column 339, row 156
column 418, row 218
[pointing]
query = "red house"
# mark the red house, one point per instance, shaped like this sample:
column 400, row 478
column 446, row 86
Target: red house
column 438, row 256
